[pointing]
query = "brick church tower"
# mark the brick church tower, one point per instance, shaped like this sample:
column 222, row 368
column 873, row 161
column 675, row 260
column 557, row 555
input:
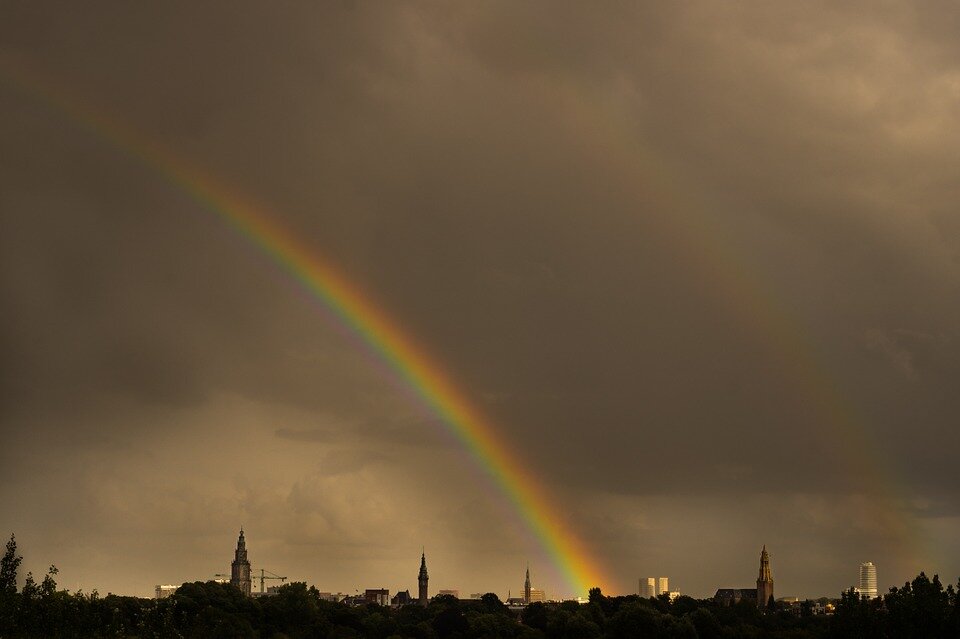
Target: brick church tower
column 240, row 568
column 765, row 580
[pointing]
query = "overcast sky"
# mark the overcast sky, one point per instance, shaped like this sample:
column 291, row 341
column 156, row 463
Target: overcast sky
column 697, row 262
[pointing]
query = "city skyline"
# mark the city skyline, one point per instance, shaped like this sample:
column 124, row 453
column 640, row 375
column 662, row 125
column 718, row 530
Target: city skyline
column 597, row 291
column 240, row 577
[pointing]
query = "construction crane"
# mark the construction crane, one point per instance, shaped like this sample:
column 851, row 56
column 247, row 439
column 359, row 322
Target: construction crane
column 266, row 574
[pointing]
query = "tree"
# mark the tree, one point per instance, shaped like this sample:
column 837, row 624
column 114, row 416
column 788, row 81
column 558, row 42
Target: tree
column 9, row 603
column 605, row 604
column 952, row 628
column 30, row 588
column 920, row 609
column 449, row 621
column 9, row 566
column 635, row 621
column 681, row 629
column 683, row 605
column 855, row 618
column 535, row 616
column 491, row 603
column 705, row 623
column 49, row 585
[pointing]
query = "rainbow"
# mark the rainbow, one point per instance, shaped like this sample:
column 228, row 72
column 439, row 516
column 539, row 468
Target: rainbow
column 377, row 331
column 741, row 292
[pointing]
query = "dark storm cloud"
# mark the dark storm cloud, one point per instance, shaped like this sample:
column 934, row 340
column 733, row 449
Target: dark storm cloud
column 516, row 186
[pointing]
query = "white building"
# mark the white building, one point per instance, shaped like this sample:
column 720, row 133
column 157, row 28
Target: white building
column 162, row 592
column 332, row 597
column 868, row 580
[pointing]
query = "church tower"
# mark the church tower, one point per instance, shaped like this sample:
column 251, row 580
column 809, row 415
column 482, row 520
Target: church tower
column 526, row 588
column 422, row 580
column 765, row 580
column 240, row 568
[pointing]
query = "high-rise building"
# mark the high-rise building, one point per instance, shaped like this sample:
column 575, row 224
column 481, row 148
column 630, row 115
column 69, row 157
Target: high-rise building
column 765, row 580
column 422, row 580
column 663, row 586
column 240, row 568
column 868, row 580
column 526, row 588
column 648, row 587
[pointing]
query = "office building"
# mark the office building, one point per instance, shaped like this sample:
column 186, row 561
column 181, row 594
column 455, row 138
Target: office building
column 663, row 586
column 868, row 580
column 648, row 587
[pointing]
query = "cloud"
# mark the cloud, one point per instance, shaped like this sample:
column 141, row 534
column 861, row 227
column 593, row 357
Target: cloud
column 689, row 261
column 881, row 342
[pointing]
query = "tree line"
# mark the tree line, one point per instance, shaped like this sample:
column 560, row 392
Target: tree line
column 922, row 608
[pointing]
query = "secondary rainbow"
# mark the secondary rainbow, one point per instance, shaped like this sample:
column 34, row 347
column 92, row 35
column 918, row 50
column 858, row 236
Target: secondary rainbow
column 690, row 224
column 342, row 297
column 742, row 293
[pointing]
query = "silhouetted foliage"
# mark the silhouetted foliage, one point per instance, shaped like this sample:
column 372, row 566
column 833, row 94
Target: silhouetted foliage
column 919, row 609
column 535, row 616
column 9, row 565
column 706, row 624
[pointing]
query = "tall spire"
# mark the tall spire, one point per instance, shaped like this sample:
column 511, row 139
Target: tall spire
column 764, row 580
column 526, row 587
column 765, row 565
column 422, row 579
